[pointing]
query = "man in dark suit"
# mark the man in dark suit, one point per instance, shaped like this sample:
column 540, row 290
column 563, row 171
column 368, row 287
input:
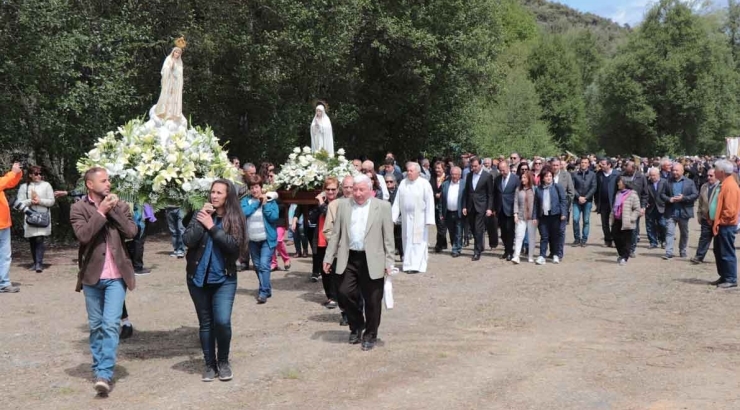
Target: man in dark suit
column 655, row 210
column 492, row 224
column 450, row 202
column 504, row 195
column 606, row 189
column 478, row 203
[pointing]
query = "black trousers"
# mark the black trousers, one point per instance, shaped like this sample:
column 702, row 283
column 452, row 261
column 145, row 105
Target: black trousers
column 358, row 286
column 135, row 248
column 478, row 226
column 38, row 248
column 508, row 233
column 441, row 230
column 605, row 214
column 331, row 280
column 317, row 260
column 622, row 239
column 398, row 239
column 492, row 228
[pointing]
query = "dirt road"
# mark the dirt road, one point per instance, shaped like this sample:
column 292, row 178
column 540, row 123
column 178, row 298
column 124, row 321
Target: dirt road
column 584, row 334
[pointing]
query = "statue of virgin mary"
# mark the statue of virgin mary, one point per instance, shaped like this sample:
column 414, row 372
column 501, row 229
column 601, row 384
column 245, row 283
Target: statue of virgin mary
column 169, row 105
column 321, row 133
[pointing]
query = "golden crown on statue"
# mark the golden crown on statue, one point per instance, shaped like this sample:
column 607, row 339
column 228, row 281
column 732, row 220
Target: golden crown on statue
column 181, row 43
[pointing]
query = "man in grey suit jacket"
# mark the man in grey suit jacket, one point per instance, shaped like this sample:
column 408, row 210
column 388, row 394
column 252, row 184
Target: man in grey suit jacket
column 363, row 246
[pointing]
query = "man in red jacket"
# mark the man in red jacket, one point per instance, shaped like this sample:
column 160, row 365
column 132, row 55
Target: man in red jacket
column 10, row 180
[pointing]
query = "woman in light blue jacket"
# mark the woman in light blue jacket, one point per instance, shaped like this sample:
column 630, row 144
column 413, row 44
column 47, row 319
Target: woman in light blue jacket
column 262, row 215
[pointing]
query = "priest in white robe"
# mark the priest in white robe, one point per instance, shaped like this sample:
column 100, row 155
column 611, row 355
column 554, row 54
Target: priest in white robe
column 414, row 207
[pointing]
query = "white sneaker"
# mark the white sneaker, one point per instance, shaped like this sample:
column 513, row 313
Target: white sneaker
column 515, row 260
column 555, row 259
column 622, row 262
column 530, row 260
column 540, row 261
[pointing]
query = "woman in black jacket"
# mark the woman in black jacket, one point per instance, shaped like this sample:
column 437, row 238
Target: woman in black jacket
column 214, row 237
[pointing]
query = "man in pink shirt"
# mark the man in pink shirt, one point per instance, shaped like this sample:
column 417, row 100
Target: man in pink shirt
column 101, row 223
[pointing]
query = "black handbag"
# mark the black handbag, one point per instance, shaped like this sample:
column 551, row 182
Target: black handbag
column 37, row 219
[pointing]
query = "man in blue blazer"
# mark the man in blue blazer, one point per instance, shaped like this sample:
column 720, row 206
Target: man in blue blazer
column 451, row 197
column 504, row 195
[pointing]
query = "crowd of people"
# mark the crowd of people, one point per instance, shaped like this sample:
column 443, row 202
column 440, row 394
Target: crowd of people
column 359, row 224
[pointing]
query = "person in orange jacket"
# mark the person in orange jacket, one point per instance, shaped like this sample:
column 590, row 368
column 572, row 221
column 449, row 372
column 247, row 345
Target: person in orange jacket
column 10, row 180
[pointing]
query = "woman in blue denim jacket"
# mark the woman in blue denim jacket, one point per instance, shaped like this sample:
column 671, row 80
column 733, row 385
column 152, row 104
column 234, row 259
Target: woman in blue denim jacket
column 214, row 238
column 262, row 214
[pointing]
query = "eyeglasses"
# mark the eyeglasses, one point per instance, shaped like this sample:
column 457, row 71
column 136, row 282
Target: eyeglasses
column 524, row 169
column 538, row 163
column 331, row 189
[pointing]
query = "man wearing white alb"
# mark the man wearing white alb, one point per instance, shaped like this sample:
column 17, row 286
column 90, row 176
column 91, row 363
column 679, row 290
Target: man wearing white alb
column 414, row 205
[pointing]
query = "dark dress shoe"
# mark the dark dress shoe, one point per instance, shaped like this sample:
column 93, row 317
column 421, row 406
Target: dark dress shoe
column 261, row 300
column 717, row 282
column 368, row 345
column 727, row 285
column 455, row 255
column 476, row 257
column 508, row 258
column 437, row 249
column 126, row 331
column 343, row 321
column 504, row 256
column 354, row 337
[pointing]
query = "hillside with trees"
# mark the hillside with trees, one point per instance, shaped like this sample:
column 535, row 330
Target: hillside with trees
column 431, row 78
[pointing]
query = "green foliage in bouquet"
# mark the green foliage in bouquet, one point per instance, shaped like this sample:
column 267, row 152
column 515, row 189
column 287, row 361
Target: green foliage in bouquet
column 307, row 171
column 161, row 167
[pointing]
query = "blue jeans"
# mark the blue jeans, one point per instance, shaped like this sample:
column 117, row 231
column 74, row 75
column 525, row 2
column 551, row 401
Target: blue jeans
column 582, row 211
column 5, row 251
column 454, row 225
column 724, row 253
column 213, row 305
column 670, row 237
column 705, row 239
column 262, row 257
column 104, row 302
column 655, row 226
column 174, row 222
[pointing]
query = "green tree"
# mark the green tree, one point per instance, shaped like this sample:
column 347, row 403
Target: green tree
column 673, row 88
column 512, row 123
column 554, row 71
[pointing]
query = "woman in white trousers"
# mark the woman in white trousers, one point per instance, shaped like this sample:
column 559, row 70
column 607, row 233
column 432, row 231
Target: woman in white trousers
column 523, row 216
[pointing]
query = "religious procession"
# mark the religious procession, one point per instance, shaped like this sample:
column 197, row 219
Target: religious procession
column 372, row 228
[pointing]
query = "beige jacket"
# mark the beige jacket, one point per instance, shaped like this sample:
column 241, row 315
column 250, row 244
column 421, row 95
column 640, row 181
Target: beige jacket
column 46, row 200
column 630, row 211
column 379, row 243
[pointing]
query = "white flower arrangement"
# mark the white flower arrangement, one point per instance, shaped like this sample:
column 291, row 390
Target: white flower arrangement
column 160, row 166
column 307, row 171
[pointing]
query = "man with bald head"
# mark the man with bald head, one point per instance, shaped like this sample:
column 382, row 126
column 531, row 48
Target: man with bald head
column 655, row 210
column 679, row 196
column 368, row 165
